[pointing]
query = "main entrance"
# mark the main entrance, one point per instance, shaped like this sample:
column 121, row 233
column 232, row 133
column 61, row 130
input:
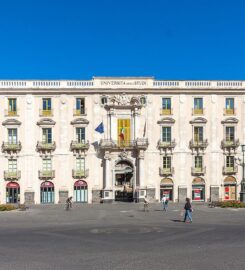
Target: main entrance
column 12, row 192
column 124, row 181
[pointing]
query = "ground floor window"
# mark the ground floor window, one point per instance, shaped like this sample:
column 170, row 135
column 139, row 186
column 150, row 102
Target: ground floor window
column 198, row 189
column 166, row 188
column 12, row 192
column 230, row 188
column 47, row 192
column 81, row 191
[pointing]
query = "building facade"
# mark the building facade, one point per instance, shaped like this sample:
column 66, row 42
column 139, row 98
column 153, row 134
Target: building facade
column 120, row 139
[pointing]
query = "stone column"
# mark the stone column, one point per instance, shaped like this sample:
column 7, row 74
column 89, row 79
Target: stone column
column 141, row 175
column 107, row 191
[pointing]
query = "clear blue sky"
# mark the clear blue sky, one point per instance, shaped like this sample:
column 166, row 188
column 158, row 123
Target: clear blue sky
column 78, row 39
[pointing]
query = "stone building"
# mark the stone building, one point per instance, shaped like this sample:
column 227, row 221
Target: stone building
column 120, row 139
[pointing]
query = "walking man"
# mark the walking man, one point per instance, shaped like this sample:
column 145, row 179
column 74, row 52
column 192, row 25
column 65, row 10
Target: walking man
column 164, row 202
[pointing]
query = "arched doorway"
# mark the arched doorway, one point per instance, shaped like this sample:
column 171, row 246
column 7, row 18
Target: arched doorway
column 229, row 188
column 124, row 181
column 47, row 192
column 80, row 191
column 12, row 192
column 198, row 189
column 166, row 188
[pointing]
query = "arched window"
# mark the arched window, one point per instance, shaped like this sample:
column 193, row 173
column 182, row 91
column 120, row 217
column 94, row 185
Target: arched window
column 198, row 189
column 47, row 192
column 81, row 191
column 12, row 192
column 230, row 188
column 166, row 188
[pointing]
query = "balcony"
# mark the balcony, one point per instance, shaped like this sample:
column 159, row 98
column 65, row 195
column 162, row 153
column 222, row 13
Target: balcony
column 166, row 111
column 233, row 144
column 80, row 173
column 198, row 170
column 75, row 145
column 11, row 113
column 230, row 170
column 44, row 146
column 229, row 111
column 79, row 112
column 166, row 171
column 199, row 111
column 198, row 144
column 12, row 175
column 11, row 147
column 166, row 145
column 44, row 174
column 45, row 113
column 132, row 144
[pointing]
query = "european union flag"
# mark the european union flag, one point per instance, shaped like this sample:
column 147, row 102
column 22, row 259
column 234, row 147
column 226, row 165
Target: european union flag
column 100, row 128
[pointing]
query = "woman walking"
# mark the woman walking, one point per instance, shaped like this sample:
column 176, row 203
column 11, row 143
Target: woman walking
column 188, row 210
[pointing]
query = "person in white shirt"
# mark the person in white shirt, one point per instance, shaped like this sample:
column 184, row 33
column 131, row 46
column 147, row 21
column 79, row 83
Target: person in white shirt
column 164, row 202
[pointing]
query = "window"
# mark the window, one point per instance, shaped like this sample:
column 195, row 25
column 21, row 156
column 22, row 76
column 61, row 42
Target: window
column 80, row 164
column 12, row 165
column 104, row 100
column 229, row 134
column 166, row 134
column 198, row 162
column 47, row 135
column 46, row 104
column 229, row 106
column 12, row 135
column 198, row 134
column 167, row 162
column 47, row 164
column 166, row 106
column 230, row 162
column 80, row 106
column 12, row 106
column 198, row 106
column 143, row 100
column 80, row 135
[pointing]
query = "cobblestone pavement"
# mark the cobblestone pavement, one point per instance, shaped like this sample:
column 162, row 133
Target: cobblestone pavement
column 121, row 236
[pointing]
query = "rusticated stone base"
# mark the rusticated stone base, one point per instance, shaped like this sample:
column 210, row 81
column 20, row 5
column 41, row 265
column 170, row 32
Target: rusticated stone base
column 214, row 193
column 29, row 197
column 182, row 194
column 151, row 194
column 63, row 195
column 96, row 196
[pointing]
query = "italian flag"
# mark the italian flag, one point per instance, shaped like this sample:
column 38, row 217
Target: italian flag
column 121, row 135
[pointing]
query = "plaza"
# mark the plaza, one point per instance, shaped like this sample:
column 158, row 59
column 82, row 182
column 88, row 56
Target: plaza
column 121, row 236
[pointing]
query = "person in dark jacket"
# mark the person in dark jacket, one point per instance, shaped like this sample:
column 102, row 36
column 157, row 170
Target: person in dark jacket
column 188, row 210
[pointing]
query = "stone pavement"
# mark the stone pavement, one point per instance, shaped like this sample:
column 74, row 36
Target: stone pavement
column 121, row 236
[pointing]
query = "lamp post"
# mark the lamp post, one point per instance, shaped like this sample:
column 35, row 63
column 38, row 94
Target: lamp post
column 242, row 164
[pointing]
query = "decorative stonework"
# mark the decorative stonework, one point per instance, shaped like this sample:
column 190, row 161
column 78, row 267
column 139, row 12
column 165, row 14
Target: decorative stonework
column 123, row 155
column 46, row 122
column 230, row 120
column 198, row 120
column 80, row 121
column 11, row 122
column 166, row 120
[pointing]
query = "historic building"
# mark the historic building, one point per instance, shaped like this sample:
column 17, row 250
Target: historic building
column 120, row 139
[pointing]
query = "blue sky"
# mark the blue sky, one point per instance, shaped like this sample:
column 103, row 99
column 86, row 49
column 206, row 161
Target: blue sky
column 167, row 39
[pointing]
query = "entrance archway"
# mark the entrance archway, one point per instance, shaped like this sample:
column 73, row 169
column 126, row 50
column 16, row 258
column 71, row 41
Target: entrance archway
column 229, row 188
column 198, row 189
column 80, row 191
column 12, row 192
column 47, row 192
column 166, row 188
column 124, row 179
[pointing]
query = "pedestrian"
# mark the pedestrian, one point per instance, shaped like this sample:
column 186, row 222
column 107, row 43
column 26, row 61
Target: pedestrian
column 188, row 210
column 146, row 204
column 68, row 203
column 164, row 202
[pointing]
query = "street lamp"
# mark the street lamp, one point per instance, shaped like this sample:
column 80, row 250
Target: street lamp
column 242, row 164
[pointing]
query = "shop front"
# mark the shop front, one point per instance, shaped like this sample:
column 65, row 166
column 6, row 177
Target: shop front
column 12, row 192
column 198, row 190
column 166, row 188
column 47, row 192
column 80, row 191
column 229, row 188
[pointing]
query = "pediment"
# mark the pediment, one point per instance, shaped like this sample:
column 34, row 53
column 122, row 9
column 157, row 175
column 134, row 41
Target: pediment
column 11, row 122
column 46, row 122
column 166, row 120
column 230, row 120
column 198, row 120
column 80, row 121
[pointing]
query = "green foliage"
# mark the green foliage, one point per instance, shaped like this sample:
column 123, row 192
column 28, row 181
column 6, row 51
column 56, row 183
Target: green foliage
column 233, row 204
column 7, row 207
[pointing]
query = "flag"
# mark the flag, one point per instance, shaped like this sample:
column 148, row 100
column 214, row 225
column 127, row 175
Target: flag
column 121, row 135
column 100, row 128
column 144, row 131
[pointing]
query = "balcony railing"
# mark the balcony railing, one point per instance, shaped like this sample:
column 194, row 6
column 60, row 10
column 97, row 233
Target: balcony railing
column 44, row 174
column 166, row 111
column 129, row 144
column 229, row 111
column 46, row 113
column 75, row 145
column 12, row 175
column 11, row 113
column 6, row 146
column 80, row 173
column 198, row 170
column 230, row 170
column 44, row 146
column 230, row 143
column 79, row 112
column 165, row 145
column 198, row 144
column 166, row 171
column 199, row 111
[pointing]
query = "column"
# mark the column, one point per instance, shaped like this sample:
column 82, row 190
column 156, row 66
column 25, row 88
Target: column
column 108, row 191
column 141, row 175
